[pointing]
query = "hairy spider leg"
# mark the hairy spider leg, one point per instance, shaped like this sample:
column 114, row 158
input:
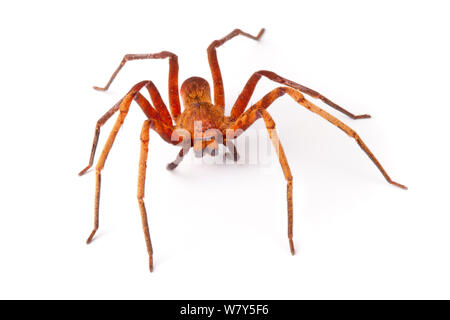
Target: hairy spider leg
column 159, row 104
column 245, row 121
column 161, row 113
column 232, row 151
column 219, row 93
column 244, row 98
column 269, row 98
column 258, row 110
column 174, row 98
column 99, row 124
column 159, row 126
column 145, row 137
column 171, row 166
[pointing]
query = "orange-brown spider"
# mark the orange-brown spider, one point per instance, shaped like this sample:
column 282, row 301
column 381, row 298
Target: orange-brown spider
column 198, row 108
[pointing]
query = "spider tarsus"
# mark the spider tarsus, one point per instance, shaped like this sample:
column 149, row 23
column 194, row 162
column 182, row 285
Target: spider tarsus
column 230, row 156
column 261, row 32
column 291, row 245
column 212, row 152
column 150, row 263
column 99, row 89
column 398, row 185
column 82, row 172
column 171, row 166
column 363, row 116
column 89, row 240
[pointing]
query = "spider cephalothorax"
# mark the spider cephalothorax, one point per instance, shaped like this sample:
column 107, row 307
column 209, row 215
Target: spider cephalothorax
column 196, row 96
column 202, row 121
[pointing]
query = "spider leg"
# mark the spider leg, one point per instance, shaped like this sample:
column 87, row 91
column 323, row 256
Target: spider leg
column 160, row 127
column 161, row 110
column 171, row 166
column 245, row 121
column 174, row 98
column 99, row 124
column 219, row 93
column 145, row 137
column 268, row 99
column 161, row 113
column 243, row 99
column 232, row 151
column 213, row 149
column 258, row 110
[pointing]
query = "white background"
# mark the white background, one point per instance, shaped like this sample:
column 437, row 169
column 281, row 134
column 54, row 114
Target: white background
column 220, row 231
